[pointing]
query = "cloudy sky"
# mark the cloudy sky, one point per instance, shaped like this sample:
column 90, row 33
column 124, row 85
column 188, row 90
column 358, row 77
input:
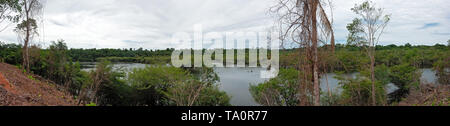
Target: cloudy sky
column 151, row 23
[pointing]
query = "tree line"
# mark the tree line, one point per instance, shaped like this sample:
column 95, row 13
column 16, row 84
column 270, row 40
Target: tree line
column 91, row 55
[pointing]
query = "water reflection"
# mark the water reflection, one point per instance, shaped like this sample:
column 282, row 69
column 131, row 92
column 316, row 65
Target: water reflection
column 428, row 76
column 126, row 67
column 236, row 82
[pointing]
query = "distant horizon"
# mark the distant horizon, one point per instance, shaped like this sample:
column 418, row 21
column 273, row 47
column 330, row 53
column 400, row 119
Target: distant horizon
column 136, row 48
column 150, row 24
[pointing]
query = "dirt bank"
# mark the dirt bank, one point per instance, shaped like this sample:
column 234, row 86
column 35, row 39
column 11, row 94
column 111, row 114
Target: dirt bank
column 19, row 89
column 428, row 95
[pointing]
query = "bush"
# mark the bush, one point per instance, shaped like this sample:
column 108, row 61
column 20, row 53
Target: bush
column 162, row 86
column 358, row 90
column 442, row 68
column 405, row 76
column 280, row 91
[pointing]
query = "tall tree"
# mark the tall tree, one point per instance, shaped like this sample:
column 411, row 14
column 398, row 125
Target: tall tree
column 27, row 28
column 8, row 10
column 366, row 31
column 300, row 21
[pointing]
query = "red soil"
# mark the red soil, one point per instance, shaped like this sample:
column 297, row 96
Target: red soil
column 19, row 89
column 5, row 84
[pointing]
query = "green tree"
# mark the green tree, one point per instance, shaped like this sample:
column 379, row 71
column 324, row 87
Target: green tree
column 442, row 68
column 371, row 22
column 405, row 77
column 280, row 91
column 152, row 82
column 357, row 89
column 7, row 10
column 27, row 28
column 10, row 53
column 104, row 87
column 57, row 59
column 162, row 86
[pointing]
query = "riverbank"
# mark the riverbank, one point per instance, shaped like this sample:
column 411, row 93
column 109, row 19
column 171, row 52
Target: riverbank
column 428, row 95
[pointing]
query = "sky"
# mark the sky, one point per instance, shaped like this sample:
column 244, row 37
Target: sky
column 150, row 24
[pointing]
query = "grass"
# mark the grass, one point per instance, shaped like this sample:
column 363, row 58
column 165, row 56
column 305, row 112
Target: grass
column 31, row 77
column 91, row 104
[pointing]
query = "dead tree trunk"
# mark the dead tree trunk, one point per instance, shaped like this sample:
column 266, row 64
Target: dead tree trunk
column 315, row 53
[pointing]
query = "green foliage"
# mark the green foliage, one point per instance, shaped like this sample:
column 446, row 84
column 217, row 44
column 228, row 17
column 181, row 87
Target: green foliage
column 91, row 104
column 357, row 90
column 355, row 33
column 405, row 76
column 350, row 61
column 350, row 58
column 25, row 24
column 212, row 96
column 151, row 82
column 152, row 86
column 156, row 77
column 382, row 74
column 204, row 83
column 161, row 85
column 122, row 55
column 31, row 77
column 54, row 64
column 161, row 60
column 8, row 8
column 10, row 53
column 442, row 68
column 196, row 93
column 280, row 91
column 366, row 30
column 334, row 99
column 109, row 87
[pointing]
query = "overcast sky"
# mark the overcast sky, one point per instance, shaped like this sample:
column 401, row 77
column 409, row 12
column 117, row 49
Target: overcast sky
column 151, row 23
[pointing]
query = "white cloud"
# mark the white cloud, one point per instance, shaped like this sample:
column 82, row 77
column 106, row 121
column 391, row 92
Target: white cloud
column 407, row 19
column 150, row 23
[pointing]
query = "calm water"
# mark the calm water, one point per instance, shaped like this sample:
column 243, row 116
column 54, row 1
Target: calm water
column 428, row 76
column 127, row 67
column 328, row 81
column 236, row 81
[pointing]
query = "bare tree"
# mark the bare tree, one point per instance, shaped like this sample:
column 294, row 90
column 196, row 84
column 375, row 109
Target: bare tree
column 27, row 28
column 370, row 25
column 299, row 21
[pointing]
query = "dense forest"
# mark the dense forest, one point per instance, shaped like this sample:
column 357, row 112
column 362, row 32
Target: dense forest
column 91, row 55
